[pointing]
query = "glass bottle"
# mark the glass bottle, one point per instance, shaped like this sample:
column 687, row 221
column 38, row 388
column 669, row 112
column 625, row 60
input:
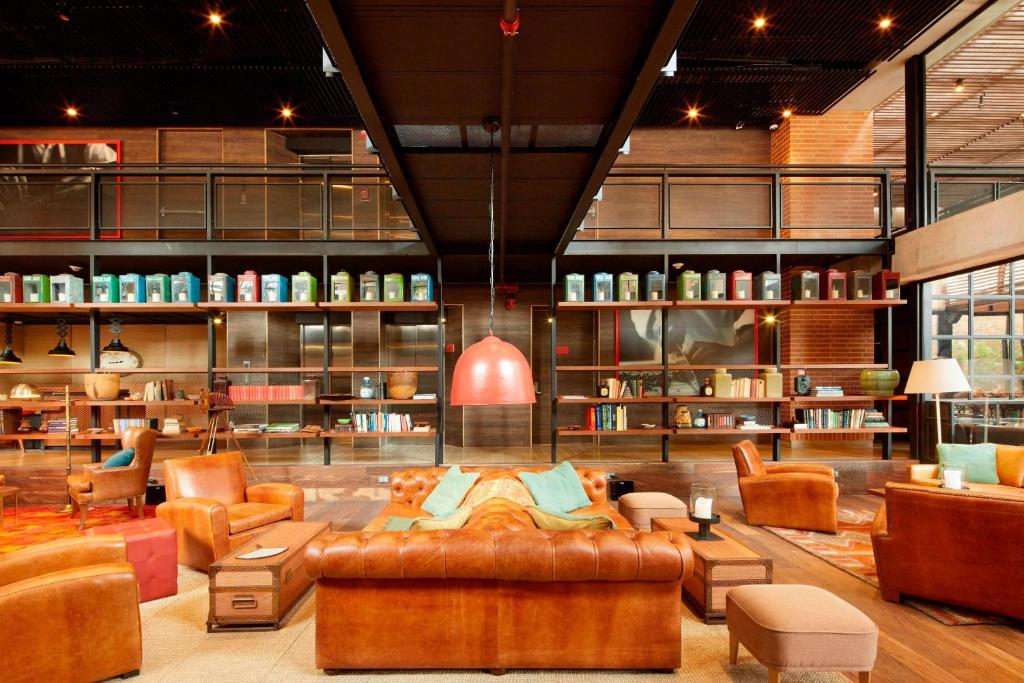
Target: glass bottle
column 707, row 389
column 366, row 390
column 701, row 421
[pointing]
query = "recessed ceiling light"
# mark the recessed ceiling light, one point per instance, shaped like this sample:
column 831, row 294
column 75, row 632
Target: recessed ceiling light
column 760, row 22
column 71, row 112
column 287, row 112
column 786, row 113
column 215, row 18
column 958, row 85
column 885, row 23
column 934, row 114
column 693, row 112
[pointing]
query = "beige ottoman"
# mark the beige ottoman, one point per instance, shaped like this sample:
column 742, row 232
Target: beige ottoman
column 800, row 628
column 639, row 508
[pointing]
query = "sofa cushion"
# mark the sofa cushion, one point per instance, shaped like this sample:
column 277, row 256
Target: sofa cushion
column 449, row 492
column 1010, row 465
column 558, row 489
column 978, row 460
column 567, row 522
column 508, row 488
column 246, row 516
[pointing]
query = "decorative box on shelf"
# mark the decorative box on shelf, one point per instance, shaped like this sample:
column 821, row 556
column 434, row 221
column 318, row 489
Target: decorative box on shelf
column 106, row 289
column 158, row 289
column 655, row 286
column 603, row 287
column 835, row 285
column 341, row 287
column 67, row 289
column 249, row 287
column 422, row 286
column 805, row 286
column 629, row 287
column 713, row 286
column 858, row 285
column 688, row 286
column 220, row 287
column 36, row 289
column 574, row 286
column 768, row 286
column 394, row 287
column 369, row 286
column 741, row 285
column 274, row 289
column 303, row 287
column 184, row 288
column 886, row 285
column 10, row 288
column 133, row 288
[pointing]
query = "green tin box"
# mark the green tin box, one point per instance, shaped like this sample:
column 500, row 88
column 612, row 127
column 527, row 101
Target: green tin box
column 341, row 287
column 36, row 289
column 629, row 287
column 688, row 286
column 303, row 287
column 394, row 287
column 158, row 289
column 575, row 288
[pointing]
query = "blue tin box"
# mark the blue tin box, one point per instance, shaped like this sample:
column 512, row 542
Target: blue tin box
column 184, row 288
column 274, row 289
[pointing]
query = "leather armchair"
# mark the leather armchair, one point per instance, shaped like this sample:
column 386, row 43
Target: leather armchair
column 96, row 484
column 70, row 612
column 794, row 496
column 214, row 512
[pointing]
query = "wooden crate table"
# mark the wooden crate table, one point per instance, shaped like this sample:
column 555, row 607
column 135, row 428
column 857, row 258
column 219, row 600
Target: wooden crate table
column 717, row 567
column 257, row 595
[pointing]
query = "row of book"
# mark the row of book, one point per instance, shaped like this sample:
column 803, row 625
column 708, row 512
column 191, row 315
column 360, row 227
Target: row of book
column 60, row 426
column 607, row 418
column 847, row 418
column 828, row 391
column 122, row 425
column 622, row 388
column 263, row 392
column 161, row 390
column 745, row 387
column 383, row 422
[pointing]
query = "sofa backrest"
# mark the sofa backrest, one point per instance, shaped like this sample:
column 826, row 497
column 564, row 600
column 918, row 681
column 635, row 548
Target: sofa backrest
column 220, row 477
column 412, row 486
column 942, row 520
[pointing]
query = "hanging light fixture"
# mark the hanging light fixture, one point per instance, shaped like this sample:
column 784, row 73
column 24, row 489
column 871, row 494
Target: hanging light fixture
column 115, row 334
column 8, row 357
column 492, row 371
column 62, row 350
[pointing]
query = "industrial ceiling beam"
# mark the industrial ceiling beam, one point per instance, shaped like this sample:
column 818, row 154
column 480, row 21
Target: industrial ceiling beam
column 661, row 48
column 384, row 139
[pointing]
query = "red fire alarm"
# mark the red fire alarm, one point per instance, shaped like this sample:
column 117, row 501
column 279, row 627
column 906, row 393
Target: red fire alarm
column 562, row 350
column 364, row 194
column 449, row 348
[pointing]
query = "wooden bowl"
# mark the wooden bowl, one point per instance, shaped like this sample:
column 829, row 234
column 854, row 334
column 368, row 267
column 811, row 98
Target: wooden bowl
column 102, row 386
column 402, row 385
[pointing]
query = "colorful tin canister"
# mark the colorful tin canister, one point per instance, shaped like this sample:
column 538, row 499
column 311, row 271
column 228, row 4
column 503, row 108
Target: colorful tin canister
column 10, row 288
column 574, row 288
column 655, row 286
column 303, row 287
column 835, row 285
column 184, row 288
column 158, row 289
column 713, row 286
column 274, row 288
column 67, row 289
column 688, row 286
column 220, row 288
column 369, row 286
column 422, row 286
column 106, row 289
column 886, row 285
column 394, row 287
column 858, row 285
column 133, row 288
column 805, row 286
column 35, row 289
column 741, row 285
column 629, row 287
column 603, row 287
column 341, row 287
column 249, row 287
column 768, row 286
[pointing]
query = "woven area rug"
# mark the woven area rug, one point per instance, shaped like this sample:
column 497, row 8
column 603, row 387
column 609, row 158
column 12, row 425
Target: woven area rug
column 42, row 524
column 177, row 648
column 850, row 550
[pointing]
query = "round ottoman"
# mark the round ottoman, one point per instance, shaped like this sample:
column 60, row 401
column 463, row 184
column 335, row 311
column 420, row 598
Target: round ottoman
column 640, row 507
column 790, row 627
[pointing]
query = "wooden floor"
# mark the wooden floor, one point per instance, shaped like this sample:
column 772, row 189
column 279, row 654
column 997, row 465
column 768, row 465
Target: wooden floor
column 912, row 646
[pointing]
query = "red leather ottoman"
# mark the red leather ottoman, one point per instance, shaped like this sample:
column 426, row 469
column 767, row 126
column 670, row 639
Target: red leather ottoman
column 153, row 551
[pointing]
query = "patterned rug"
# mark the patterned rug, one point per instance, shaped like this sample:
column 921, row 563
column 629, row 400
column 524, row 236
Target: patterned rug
column 42, row 524
column 850, row 550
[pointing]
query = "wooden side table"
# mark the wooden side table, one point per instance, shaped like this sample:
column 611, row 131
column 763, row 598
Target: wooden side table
column 717, row 567
column 6, row 491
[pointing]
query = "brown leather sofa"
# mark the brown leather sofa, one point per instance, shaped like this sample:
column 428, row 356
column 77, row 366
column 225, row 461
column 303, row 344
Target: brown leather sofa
column 97, row 484
column 69, row 611
column 497, row 593
column 959, row 547
column 791, row 495
column 1009, row 471
column 213, row 511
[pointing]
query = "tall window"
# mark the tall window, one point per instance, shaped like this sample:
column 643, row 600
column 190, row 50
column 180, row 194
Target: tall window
column 978, row 319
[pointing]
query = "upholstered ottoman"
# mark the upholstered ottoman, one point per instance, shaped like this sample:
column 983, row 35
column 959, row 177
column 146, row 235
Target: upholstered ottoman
column 800, row 628
column 640, row 507
column 153, row 550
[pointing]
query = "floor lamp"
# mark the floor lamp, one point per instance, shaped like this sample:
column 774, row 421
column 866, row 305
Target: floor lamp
column 936, row 376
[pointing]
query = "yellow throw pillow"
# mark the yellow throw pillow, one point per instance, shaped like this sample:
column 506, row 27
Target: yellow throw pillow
column 456, row 521
column 567, row 522
column 1010, row 465
column 502, row 487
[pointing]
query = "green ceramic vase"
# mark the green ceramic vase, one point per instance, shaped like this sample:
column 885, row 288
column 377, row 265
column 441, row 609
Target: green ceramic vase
column 879, row 382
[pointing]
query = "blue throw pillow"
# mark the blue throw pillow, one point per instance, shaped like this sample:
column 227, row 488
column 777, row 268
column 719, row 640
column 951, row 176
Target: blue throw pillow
column 556, row 490
column 978, row 460
column 449, row 492
column 120, row 459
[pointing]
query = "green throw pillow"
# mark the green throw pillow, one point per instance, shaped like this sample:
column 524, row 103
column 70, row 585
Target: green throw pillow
column 978, row 460
column 556, row 490
column 120, row 459
column 449, row 492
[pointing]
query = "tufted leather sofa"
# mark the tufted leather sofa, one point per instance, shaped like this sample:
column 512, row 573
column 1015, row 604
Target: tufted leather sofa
column 1009, row 471
column 498, row 593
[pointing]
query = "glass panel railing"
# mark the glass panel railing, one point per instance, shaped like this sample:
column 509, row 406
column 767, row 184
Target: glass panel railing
column 37, row 205
column 720, row 207
column 624, row 209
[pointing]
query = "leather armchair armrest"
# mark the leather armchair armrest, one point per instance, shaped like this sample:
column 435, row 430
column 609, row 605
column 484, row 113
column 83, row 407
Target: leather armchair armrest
column 279, row 494
column 114, row 482
column 783, row 486
column 918, row 473
column 89, row 467
column 880, row 527
column 67, row 553
column 802, row 468
column 202, row 529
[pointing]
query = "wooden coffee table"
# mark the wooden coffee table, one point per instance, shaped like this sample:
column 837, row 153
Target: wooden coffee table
column 717, row 567
column 6, row 491
column 258, row 595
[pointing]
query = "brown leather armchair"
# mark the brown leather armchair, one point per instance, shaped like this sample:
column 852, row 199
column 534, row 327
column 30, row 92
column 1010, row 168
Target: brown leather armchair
column 97, row 485
column 214, row 512
column 70, row 612
column 791, row 495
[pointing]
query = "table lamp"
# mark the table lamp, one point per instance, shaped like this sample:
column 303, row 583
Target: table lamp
column 936, row 376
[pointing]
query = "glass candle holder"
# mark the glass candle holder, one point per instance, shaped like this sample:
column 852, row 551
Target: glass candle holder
column 954, row 477
column 704, row 510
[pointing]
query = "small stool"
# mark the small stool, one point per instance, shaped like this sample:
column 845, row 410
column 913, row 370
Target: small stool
column 790, row 627
column 152, row 549
column 639, row 508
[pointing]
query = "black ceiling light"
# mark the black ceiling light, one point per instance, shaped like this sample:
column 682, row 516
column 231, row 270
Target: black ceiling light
column 115, row 333
column 62, row 350
column 8, row 357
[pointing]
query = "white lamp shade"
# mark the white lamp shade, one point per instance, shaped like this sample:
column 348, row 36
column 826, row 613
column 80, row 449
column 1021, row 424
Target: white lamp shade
column 936, row 376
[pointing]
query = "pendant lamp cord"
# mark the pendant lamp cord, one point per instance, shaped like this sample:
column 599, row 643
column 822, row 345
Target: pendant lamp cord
column 490, row 244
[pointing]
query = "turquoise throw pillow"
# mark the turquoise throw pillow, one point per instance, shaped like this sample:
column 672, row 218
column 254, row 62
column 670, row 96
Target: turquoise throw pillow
column 556, row 490
column 120, row 459
column 450, row 491
column 978, row 460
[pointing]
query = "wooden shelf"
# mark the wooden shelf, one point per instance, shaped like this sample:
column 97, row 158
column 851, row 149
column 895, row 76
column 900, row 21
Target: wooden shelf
column 32, row 404
column 679, row 368
column 153, row 371
column 28, row 309
column 841, row 399
column 34, row 436
column 614, row 432
column 112, row 309
column 612, row 305
column 265, row 371
column 696, row 431
column 370, row 435
column 379, row 401
column 128, row 402
column 835, row 366
column 269, row 435
column 18, row 370
column 410, row 306
column 857, row 304
column 595, row 400
column 396, row 368
column 609, row 368
column 726, row 399
column 861, row 430
column 259, row 306
column 731, row 303
column 274, row 401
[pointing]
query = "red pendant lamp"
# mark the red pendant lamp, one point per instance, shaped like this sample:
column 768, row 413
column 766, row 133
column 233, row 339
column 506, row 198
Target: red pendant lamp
column 492, row 372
